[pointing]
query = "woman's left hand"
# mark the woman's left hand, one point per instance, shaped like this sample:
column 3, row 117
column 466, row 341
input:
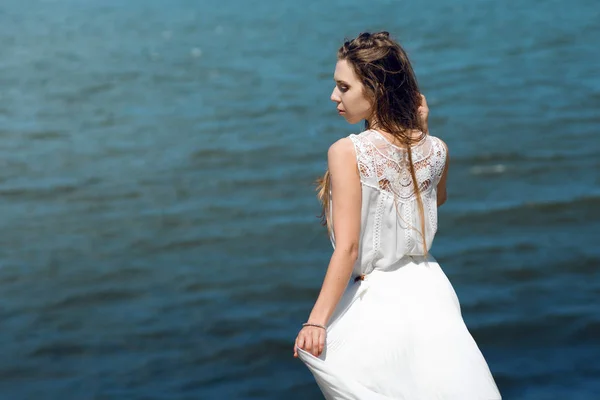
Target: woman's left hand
column 310, row 339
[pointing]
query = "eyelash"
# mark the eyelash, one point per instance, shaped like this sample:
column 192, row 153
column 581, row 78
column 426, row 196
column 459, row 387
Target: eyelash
column 343, row 88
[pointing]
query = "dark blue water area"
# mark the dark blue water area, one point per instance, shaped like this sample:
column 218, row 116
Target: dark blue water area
column 159, row 236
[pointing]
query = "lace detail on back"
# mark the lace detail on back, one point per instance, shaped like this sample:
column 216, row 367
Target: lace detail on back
column 385, row 166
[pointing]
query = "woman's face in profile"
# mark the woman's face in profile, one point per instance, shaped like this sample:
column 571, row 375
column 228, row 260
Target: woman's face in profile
column 348, row 94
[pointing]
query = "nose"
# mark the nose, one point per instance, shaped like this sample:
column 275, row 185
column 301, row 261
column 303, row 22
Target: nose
column 335, row 95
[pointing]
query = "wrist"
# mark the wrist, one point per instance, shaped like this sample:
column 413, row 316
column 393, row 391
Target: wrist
column 322, row 326
column 318, row 317
column 318, row 321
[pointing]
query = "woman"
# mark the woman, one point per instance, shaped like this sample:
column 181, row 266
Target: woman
column 387, row 323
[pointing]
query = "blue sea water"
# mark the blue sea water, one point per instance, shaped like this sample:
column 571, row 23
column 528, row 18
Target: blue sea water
column 158, row 230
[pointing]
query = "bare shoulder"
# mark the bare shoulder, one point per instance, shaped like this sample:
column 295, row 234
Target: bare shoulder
column 441, row 142
column 343, row 149
column 341, row 159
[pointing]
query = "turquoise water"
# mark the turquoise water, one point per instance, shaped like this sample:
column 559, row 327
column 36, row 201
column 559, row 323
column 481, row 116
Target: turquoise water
column 157, row 214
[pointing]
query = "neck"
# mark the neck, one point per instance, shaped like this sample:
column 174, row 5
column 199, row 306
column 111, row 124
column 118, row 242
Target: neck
column 413, row 134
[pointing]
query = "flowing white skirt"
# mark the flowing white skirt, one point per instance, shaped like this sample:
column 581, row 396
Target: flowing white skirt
column 399, row 334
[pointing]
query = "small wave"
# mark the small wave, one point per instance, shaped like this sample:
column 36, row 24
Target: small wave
column 95, row 89
column 587, row 332
column 38, row 193
column 58, row 349
column 158, row 334
column 539, row 330
column 11, row 372
column 123, row 275
column 94, row 298
column 47, row 135
column 588, row 207
column 284, row 293
column 105, row 196
column 488, row 169
column 507, row 158
column 211, row 155
column 46, row 190
column 248, row 353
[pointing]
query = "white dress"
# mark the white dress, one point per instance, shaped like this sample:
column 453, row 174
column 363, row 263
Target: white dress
column 399, row 333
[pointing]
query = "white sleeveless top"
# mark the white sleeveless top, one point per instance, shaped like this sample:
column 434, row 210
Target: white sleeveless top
column 390, row 219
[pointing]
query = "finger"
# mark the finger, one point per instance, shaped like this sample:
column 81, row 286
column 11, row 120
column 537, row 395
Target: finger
column 300, row 342
column 308, row 344
column 296, row 347
column 316, row 343
column 321, row 344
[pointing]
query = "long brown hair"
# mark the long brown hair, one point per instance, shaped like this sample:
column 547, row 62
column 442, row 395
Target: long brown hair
column 390, row 84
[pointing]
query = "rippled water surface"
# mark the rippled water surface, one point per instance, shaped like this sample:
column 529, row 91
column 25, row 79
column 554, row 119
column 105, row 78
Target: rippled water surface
column 158, row 237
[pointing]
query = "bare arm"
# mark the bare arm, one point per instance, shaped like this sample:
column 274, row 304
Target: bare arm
column 347, row 198
column 423, row 112
column 442, row 194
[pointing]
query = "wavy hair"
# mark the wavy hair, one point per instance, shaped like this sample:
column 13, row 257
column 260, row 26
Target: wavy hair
column 390, row 84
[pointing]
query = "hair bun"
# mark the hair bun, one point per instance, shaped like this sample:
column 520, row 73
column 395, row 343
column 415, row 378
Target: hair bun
column 381, row 35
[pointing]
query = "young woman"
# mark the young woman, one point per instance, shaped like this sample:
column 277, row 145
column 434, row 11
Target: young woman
column 387, row 323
